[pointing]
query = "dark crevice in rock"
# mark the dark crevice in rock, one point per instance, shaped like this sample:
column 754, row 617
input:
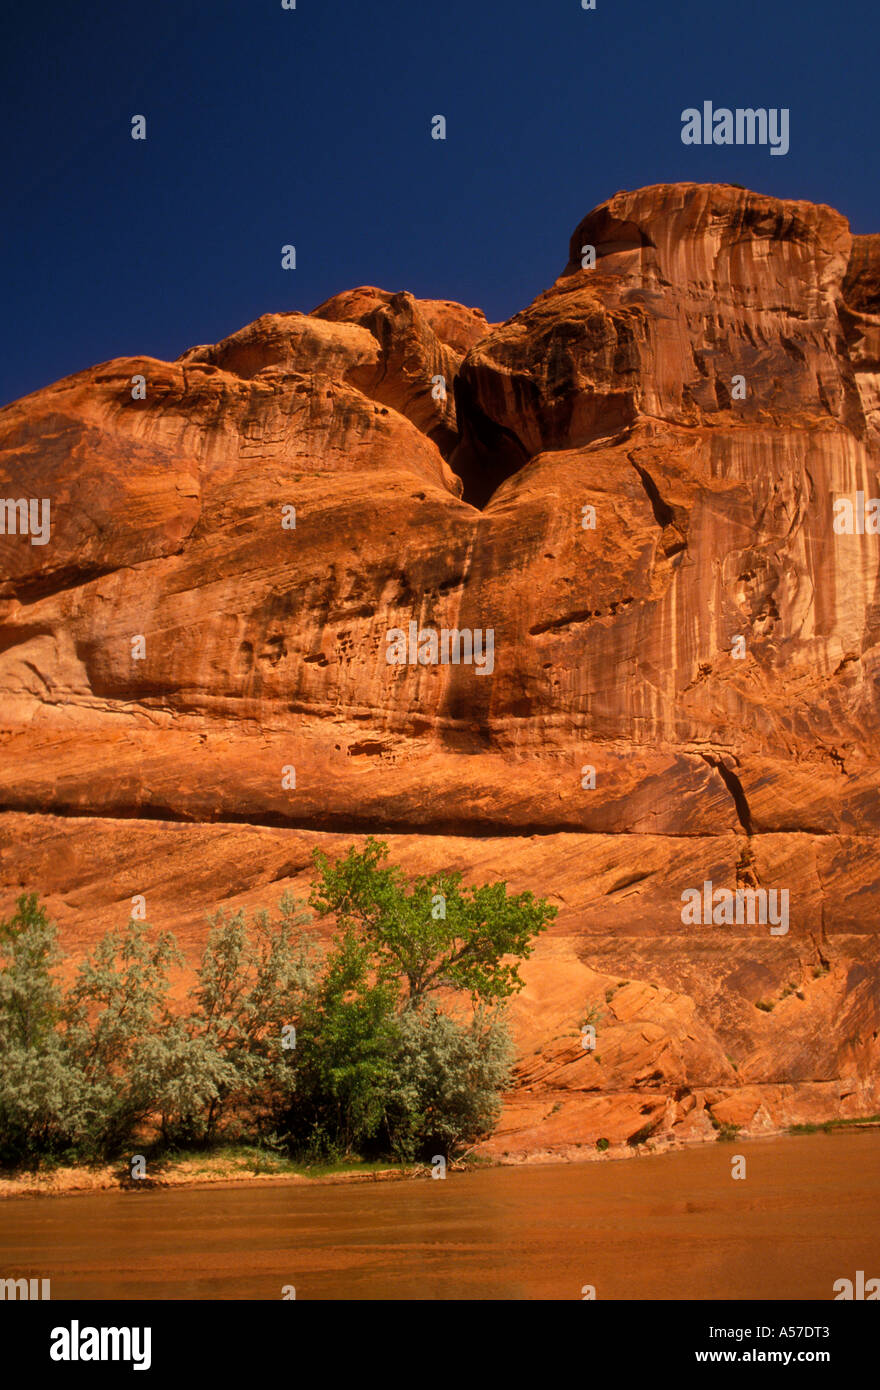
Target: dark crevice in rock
column 582, row 615
column 35, row 587
column 861, row 284
column 338, row 823
column 487, row 453
column 663, row 513
column 673, row 540
column 628, row 882
column 735, row 787
column 328, row 822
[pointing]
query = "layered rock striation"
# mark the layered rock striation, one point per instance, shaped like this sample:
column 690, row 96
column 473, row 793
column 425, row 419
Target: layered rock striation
column 632, row 485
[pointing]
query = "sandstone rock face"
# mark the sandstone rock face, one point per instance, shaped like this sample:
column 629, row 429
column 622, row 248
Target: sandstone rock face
column 632, row 483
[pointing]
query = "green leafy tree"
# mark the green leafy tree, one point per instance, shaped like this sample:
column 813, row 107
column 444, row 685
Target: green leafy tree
column 343, row 1065
column 380, row 1062
column 436, row 935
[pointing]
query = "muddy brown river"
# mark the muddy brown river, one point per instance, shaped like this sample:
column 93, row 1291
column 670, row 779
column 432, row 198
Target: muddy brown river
column 673, row 1226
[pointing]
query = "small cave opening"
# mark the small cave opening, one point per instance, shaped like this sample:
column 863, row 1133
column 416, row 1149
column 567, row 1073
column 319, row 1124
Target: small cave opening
column 487, row 454
column 608, row 234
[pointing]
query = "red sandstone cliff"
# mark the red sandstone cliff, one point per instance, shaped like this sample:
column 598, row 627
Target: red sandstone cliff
column 265, row 647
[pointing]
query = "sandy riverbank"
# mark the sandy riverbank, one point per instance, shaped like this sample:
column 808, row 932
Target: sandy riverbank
column 251, row 1168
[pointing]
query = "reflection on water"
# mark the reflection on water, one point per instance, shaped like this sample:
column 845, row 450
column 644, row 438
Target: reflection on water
column 672, row 1226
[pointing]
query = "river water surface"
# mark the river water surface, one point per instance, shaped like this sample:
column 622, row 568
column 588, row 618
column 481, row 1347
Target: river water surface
column 670, row 1226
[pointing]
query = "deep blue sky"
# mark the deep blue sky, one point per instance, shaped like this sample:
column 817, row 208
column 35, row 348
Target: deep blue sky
column 312, row 127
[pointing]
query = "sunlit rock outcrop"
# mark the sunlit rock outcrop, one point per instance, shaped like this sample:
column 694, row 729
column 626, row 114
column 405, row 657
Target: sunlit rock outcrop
column 632, row 485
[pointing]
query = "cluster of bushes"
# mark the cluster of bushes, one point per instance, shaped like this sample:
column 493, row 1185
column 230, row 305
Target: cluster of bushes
column 322, row 1054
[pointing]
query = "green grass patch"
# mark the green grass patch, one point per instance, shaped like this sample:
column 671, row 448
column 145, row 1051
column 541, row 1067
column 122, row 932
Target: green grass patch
column 829, row 1125
column 727, row 1133
column 248, row 1159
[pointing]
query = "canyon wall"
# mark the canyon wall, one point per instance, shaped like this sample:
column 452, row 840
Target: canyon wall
column 632, row 484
